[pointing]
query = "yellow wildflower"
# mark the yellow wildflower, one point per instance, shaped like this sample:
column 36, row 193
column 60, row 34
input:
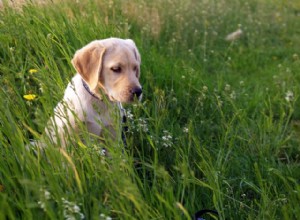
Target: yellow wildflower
column 32, row 71
column 29, row 97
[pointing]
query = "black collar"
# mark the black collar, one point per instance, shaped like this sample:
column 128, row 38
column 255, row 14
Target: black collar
column 87, row 88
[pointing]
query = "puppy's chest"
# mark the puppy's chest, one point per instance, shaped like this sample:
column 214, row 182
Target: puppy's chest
column 96, row 114
column 98, row 119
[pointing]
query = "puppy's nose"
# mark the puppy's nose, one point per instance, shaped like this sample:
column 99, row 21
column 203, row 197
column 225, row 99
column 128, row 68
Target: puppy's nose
column 137, row 92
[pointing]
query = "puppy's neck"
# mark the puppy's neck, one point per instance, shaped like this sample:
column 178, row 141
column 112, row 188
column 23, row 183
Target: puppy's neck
column 99, row 92
column 96, row 94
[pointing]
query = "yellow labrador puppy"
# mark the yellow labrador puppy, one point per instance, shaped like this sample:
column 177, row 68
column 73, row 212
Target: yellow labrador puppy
column 108, row 73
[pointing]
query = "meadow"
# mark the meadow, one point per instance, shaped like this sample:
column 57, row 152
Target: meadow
column 218, row 127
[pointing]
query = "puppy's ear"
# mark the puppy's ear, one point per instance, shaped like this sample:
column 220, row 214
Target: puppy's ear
column 135, row 50
column 136, row 53
column 88, row 62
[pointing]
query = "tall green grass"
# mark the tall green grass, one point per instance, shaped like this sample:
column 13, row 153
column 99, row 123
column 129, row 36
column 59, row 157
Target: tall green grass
column 218, row 126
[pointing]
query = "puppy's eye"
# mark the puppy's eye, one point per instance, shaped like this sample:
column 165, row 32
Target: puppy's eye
column 116, row 69
column 135, row 68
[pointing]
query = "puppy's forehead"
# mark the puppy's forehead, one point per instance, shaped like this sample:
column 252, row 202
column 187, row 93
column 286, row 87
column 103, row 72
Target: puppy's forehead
column 115, row 43
column 120, row 52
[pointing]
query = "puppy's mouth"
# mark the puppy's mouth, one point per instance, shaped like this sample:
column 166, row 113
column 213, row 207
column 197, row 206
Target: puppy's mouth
column 128, row 96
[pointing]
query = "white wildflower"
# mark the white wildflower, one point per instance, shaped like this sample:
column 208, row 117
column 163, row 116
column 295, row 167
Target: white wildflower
column 103, row 216
column 103, row 152
column 199, row 99
column 233, row 95
column 227, row 87
column 41, row 87
column 295, row 56
column 185, row 130
column 47, row 195
column 71, row 210
column 167, row 139
column 76, row 208
column 42, row 205
column 220, row 102
column 142, row 124
column 129, row 115
column 234, row 35
column 49, row 36
column 289, row 96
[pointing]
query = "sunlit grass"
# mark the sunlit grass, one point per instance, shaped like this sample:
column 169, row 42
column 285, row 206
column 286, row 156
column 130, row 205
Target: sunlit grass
column 218, row 126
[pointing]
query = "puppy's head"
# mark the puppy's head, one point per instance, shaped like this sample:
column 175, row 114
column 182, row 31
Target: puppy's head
column 112, row 65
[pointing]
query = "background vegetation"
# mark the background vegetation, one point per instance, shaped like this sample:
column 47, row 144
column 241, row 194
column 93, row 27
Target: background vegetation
column 218, row 126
